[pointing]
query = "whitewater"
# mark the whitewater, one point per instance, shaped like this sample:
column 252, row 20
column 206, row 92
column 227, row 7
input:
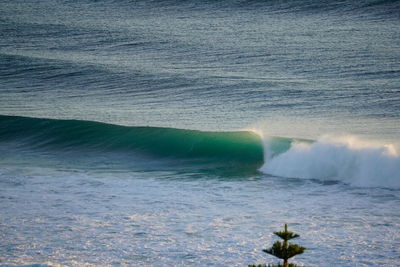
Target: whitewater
column 184, row 133
column 345, row 159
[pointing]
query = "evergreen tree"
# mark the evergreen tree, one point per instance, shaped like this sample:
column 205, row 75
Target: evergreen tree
column 284, row 250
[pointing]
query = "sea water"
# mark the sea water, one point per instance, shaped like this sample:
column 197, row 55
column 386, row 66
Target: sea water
column 184, row 133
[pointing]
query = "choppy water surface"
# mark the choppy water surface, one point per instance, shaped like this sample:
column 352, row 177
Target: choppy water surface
column 74, row 217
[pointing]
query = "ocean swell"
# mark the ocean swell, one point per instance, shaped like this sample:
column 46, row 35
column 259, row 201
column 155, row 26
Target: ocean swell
column 342, row 159
column 241, row 147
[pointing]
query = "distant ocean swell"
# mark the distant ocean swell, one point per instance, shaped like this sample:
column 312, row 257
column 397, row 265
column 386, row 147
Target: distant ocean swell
column 346, row 159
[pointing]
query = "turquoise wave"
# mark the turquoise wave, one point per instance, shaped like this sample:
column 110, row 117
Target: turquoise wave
column 243, row 147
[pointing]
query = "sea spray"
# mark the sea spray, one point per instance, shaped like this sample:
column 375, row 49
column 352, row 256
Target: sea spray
column 346, row 159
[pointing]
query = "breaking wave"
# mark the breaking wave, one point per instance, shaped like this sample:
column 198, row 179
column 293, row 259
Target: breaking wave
column 344, row 159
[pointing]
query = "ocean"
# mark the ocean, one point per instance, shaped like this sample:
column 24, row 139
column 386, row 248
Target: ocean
column 184, row 133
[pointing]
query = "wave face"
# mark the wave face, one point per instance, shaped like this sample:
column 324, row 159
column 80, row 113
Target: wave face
column 345, row 159
column 66, row 135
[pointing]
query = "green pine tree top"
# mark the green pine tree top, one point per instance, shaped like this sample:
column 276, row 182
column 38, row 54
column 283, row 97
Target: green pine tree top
column 286, row 235
column 284, row 250
column 279, row 250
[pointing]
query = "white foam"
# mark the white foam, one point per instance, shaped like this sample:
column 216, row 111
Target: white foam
column 347, row 159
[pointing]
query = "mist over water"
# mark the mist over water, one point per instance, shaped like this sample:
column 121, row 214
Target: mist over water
column 183, row 133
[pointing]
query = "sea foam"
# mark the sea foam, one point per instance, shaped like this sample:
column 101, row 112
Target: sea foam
column 347, row 159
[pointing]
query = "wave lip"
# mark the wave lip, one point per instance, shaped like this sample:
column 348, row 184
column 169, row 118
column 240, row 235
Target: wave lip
column 346, row 159
column 241, row 147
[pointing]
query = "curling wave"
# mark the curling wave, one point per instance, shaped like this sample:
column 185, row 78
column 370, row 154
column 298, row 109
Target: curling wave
column 241, row 146
column 345, row 159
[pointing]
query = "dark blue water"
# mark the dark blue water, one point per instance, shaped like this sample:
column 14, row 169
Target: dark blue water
column 318, row 81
